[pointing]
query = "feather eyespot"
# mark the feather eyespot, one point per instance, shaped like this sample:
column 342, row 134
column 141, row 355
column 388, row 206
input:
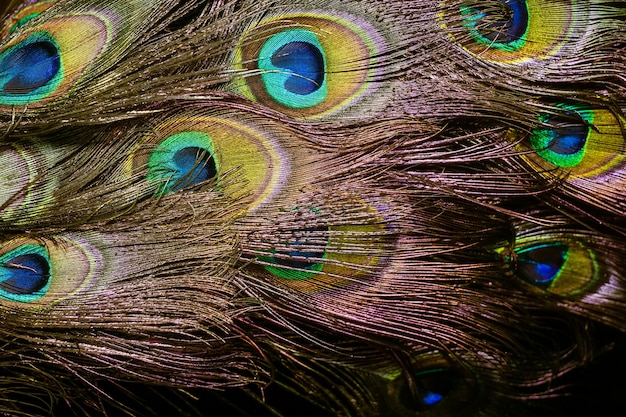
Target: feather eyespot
column 560, row 266
column 586, row 142
column 190, row 150
column 580, row 147
column 46, row 61
column 300, row 258
column 508, row 31
column 183, row 160
column 430, row 384
column 306, row 65
column 42, row 272
column 502, row 25
column 433, row 385
column 312, row 251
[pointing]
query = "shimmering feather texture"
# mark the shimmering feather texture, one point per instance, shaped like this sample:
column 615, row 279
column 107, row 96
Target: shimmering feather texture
column 361, row 208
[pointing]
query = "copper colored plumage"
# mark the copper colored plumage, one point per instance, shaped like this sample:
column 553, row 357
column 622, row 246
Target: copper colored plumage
column 343, row 208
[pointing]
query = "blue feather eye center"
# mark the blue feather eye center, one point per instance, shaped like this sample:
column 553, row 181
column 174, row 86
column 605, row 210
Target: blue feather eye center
column 31, row 66
column 293, row 66
column 29, row 70
column 499, row 24
column 306, row 63
column 431, row 387
column 183, row 160
column 195, row 163
column 542, row 264
column 564, row 144
column 25, row 273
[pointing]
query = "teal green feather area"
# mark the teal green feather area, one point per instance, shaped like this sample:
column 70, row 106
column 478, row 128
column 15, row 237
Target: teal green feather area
column 317, row 208
column 582, row 146
column 186, row 158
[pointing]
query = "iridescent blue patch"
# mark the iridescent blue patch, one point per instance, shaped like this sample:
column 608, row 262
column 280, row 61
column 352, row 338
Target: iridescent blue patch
column 541, row 264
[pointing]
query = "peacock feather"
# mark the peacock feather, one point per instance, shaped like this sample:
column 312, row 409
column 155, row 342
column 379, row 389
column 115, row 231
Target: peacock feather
column 326, row 208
